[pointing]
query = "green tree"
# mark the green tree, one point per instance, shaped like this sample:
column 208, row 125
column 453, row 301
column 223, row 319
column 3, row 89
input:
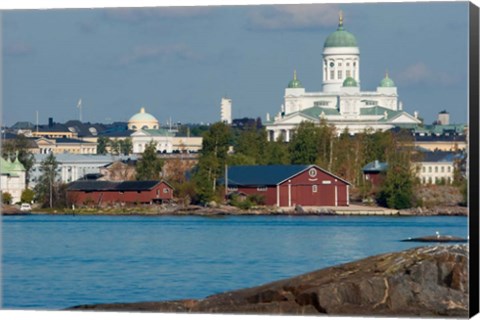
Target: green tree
column 126, row 146
column 397, row 190
column 115, row 146
column 276, row 152
column 6, row 198
column 27, row 196
column 149, row 167
column 46, row 186
column 19, row 145
column 251, row 143
column 102, row 144
column 325, row 139
column 212, row 161
column 303, row 146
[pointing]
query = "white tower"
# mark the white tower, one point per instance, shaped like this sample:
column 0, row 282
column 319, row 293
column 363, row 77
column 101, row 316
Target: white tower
column 226, row 110
column 341, row 59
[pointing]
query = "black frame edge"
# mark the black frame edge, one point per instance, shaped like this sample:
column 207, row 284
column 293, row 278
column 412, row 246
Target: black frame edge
column 473, row 160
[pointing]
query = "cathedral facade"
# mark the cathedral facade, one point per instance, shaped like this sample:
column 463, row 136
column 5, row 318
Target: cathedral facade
column 341, row 103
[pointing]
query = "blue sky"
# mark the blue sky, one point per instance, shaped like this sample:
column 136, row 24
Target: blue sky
column 179, row 62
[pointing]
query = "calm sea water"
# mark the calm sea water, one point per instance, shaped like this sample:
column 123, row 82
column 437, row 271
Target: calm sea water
column 54, row 262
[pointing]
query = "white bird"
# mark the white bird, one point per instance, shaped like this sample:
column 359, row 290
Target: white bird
column 438, row 234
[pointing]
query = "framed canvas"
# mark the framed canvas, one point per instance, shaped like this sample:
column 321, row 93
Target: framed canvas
column 306, row 159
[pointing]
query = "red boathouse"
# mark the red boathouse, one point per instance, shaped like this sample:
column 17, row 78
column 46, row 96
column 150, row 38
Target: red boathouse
column 99, row 193
column 289, row 185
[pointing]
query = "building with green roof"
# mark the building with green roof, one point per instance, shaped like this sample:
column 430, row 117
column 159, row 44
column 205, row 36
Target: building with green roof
column 342, row 102
column 12, row 178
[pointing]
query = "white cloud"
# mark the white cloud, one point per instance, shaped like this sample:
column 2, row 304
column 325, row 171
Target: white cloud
column 281, row 17
column 138, row 15
column 18, row 49
column 146, row 53
column 420, row 73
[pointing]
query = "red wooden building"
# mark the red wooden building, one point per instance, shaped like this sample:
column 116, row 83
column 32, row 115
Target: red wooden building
column 100, row 193
column 290, row 185
column 375, row 172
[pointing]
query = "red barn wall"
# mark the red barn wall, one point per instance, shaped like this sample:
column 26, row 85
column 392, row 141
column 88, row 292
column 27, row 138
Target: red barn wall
column 110, row 197
column 301, row 192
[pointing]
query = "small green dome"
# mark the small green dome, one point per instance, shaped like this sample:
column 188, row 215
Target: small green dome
column 341, row 37
column 387, row 82
column 350, row 82
column 17, row 165
column 295, row 83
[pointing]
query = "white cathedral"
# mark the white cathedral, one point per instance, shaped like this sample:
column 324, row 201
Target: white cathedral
column 341, row 103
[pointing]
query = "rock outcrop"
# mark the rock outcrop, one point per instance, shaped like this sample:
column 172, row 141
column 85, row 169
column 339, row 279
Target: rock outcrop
column 425, row 281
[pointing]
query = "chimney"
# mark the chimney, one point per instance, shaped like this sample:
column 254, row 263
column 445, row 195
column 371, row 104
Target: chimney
column 50, row 122
column 376, row 163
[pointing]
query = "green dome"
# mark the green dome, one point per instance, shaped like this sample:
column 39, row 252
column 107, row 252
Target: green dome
column 142, row 116
column 350, row 82
column 387, row 82
column 295, row 83
column 341, row 37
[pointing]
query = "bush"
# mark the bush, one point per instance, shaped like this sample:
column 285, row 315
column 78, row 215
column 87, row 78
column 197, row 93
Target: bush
column 6, row 198
column 27, row 196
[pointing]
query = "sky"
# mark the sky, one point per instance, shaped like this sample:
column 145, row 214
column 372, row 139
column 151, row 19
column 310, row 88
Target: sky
column 178, row 62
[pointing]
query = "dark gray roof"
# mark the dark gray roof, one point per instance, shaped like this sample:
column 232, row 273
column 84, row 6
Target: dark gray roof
column 439, row 156
column 137, row 185
column 94, row 185
column 264, row 175
column 23, row 125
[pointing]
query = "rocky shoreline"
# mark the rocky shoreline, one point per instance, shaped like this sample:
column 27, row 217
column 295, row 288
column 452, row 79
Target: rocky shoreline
column 223, row 210
column 425, row 281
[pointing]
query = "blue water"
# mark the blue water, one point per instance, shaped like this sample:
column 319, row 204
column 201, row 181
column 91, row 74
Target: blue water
column 53, row 262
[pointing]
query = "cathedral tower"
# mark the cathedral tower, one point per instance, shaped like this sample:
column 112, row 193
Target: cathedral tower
column 341, row 59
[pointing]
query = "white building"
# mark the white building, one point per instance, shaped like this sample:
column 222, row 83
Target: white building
column 436, row 167
column 341, row 103
column 226, row 110
column 72, row 167
column 12, row 179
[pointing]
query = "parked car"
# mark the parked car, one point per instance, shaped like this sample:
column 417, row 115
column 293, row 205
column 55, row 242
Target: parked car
column 25, row 207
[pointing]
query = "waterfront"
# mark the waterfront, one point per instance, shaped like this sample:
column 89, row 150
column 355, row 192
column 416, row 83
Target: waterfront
column 53, row 262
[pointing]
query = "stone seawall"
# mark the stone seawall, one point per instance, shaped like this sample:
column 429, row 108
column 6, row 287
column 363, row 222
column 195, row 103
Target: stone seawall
column 426, row 281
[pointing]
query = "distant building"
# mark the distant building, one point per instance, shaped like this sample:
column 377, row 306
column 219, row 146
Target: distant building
column 289, row 185
column 436, row 167
column 63, row 145
column 12, row 178
column 102, row 193
column 443, row 118
column 73, row 167
column 226, row 110
column 341, row 103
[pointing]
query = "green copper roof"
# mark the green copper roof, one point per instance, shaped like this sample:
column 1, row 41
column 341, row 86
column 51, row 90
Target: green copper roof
column 379, row 111
column 341, row 37
column 350, row 82
column 387, row 82
column 295, row 83
column 11, row 168
column 316, row 112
